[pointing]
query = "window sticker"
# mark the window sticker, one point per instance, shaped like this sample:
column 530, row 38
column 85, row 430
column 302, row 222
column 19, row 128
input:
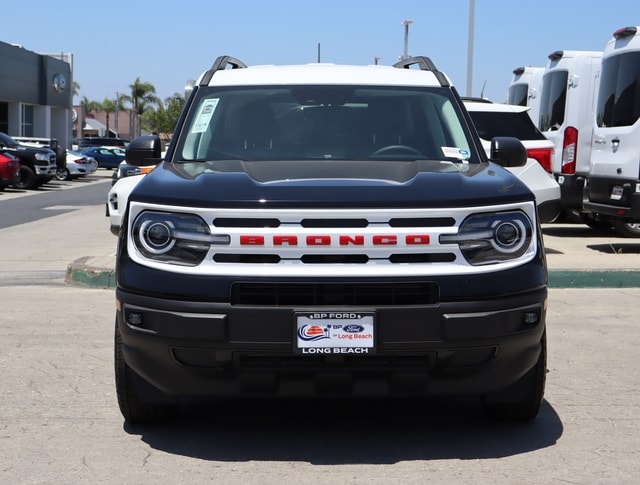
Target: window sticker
column 459, row 153
column 203, row 119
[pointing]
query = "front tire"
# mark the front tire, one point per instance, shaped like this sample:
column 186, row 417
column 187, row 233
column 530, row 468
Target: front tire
column 134, row 408
column 26, row 179
column 63, row 174
column 521, row 400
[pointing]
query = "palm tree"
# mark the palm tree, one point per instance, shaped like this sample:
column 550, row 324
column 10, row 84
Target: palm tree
column 87, row 107
column 108, row 106
column 143, row 96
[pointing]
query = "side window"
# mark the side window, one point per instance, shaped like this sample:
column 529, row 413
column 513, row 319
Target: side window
column 619, row 95
column 518, row 94
column 553, row 102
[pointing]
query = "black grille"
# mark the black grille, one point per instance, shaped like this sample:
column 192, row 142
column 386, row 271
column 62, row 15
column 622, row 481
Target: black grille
column 334, row 294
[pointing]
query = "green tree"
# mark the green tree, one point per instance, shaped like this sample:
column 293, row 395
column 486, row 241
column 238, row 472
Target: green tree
column 143, row 97
column 164, row 118
column 90, row 106
column 108, row 106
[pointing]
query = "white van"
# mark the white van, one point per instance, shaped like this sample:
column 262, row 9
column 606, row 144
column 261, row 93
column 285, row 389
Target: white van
column 567, row 110
column 614, row 183
column 525, row 89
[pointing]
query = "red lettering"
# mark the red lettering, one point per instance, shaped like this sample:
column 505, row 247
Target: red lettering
column 385, row 240
column 417, row 239
column 318, row 240
column 357, row 240
column 252, row 240
column 282, row 240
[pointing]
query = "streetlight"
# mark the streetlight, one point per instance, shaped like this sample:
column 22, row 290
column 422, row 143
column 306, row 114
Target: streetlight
column 472, row 8
column 406, row 24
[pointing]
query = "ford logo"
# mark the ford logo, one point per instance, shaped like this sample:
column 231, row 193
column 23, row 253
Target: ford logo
column 353, row 328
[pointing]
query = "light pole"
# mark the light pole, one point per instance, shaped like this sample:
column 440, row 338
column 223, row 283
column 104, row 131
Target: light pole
column 472, row 8
column 115, row 114
column 406, row 24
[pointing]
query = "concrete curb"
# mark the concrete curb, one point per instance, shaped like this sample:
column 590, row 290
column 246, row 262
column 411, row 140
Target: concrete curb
column 79, row 273
column 594, row 279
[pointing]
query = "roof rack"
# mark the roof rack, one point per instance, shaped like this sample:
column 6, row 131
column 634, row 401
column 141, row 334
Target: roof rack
column 476, row 99
column 425, row 64
column 220, row 64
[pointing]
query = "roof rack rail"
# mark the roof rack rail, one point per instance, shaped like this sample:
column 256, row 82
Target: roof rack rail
column 425, row 64
column 476, row 99
column 220, row 64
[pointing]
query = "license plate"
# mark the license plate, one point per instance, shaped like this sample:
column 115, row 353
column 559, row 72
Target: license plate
column 616, row 192
column 335, row 333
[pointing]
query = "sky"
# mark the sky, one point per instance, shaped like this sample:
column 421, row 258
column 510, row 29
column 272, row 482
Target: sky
column 167, row 43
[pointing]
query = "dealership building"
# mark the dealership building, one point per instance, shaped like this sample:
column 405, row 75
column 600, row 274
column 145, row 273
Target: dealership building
column 36, row 94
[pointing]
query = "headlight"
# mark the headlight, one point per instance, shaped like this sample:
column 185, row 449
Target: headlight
column 493, row 238
column 43, row 157
column 173, row 238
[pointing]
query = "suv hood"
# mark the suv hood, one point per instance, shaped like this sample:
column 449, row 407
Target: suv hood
column 329, row 183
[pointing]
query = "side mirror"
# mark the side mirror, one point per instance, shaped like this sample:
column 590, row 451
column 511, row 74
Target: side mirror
column 143, row 151
column 507, row 151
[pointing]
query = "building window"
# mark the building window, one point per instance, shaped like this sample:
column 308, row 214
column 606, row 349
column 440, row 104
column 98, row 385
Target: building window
column 26, row 124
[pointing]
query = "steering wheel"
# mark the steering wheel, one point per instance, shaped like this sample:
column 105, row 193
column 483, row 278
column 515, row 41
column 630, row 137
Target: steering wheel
column 396, row 150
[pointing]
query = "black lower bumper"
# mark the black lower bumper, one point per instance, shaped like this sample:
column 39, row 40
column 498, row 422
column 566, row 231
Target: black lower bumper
column 213, row 349
column 613, row 197
column 571, row 188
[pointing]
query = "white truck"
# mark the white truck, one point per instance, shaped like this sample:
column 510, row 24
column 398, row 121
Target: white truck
column 569, row 89
column 614, row 183
column 525, row 90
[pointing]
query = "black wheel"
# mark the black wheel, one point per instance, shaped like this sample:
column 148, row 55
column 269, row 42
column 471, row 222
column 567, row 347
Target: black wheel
column 626, row 228
column 134, row 408
column 596, row 221
column 392, row 150
column 26, row 178
column 63, row 174
column 521, row 401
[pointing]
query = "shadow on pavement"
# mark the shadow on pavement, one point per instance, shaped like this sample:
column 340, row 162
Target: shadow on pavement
column 616, row 248
column 336, row 432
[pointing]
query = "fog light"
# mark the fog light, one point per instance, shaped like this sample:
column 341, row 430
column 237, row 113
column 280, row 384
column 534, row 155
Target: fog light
column 531, row 318
column 134, row 319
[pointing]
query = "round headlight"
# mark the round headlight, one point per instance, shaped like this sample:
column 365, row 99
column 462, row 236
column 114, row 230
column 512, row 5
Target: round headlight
column 156, row 236
column 509, row 235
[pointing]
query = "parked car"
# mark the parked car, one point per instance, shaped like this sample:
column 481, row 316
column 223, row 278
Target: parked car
column 126, row 170
column 495, row 119
column 567, row 110
column 613, row 189
column 37, row 165
column 107, row 157
column 78, row 165
column 117, row 200
column 9, row 170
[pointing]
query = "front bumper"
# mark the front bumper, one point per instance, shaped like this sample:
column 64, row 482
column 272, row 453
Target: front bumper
column 45, row 170
column 188, row 348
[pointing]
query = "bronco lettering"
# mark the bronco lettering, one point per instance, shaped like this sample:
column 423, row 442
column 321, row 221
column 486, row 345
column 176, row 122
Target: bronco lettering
column 341, row 240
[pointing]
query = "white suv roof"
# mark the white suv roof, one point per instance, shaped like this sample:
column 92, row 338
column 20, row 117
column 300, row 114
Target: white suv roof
column 377, row 75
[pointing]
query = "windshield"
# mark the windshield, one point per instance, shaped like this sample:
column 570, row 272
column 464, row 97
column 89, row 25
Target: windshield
column 490, row 124
column 518, row 94
column 318, row 122
column 552, row 104
column 619, row 97
column 6, row 140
